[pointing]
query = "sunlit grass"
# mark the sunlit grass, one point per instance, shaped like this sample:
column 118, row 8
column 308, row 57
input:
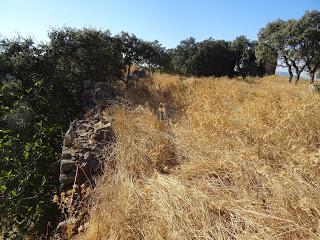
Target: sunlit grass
column 238, row 161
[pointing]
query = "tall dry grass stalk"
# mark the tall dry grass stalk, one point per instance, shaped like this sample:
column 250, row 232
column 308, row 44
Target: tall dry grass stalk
column 239, row 161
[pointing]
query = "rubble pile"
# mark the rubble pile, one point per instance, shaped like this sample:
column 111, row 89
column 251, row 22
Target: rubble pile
column 83, row 149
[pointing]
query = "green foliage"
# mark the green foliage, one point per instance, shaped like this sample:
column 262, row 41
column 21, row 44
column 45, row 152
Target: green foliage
column 309, row 36
column 140, row 52
column 157, row 57
column 246, row 62
column 182, row 56
column 29, row 145
column 217, row 58
column 267, row 57
column 40, row 89
column 213, row 58
column 294, row 43
column 272, row 42
column 79, row 55
column 27, row 179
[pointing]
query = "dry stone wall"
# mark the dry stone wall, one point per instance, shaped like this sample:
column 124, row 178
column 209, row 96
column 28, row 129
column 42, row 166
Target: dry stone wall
column 85, row 140
column 84, row 151
column 83, row 148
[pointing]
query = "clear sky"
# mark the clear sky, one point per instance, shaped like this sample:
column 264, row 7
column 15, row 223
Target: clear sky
column 168, row 21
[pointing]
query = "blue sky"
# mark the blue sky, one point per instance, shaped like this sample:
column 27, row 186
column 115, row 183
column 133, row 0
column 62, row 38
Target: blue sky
column 168, row 21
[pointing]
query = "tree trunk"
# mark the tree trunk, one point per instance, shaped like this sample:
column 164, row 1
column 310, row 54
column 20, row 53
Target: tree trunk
column 297, row 77
column 289, row 66
column 295, row 67
column 312, row 75
column 290, row 78
column 128, row 74
column 312, row 71
column 290, row 74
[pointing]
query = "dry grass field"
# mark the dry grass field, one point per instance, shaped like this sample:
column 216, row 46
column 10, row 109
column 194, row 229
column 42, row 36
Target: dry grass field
column 232, row 160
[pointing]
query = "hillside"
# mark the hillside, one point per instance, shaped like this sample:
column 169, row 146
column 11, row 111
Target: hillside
column 231, row 160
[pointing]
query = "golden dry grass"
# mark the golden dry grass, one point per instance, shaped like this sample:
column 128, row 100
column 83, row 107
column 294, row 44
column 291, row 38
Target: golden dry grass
column 238, row 161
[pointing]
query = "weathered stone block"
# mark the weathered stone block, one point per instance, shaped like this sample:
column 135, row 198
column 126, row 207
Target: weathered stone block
column 67, row 179
column 68, row 140
column 84, row 142
column 88, row 155
column 67, row 165
column 93, row 164
column 70, row 135
column 101, row 85
column 87, row 94
column 88, row 84
column 101, row 135
column 99, row 95
column 91, row 159
column 66, row 153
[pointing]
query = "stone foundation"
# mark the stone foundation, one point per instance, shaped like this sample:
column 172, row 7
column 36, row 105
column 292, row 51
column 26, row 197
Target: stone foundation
column 84, row 149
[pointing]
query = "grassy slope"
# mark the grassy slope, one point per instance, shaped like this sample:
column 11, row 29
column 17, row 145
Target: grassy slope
column 235, row 161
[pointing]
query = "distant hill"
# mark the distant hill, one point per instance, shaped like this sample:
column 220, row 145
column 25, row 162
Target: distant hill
column 282, row 74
